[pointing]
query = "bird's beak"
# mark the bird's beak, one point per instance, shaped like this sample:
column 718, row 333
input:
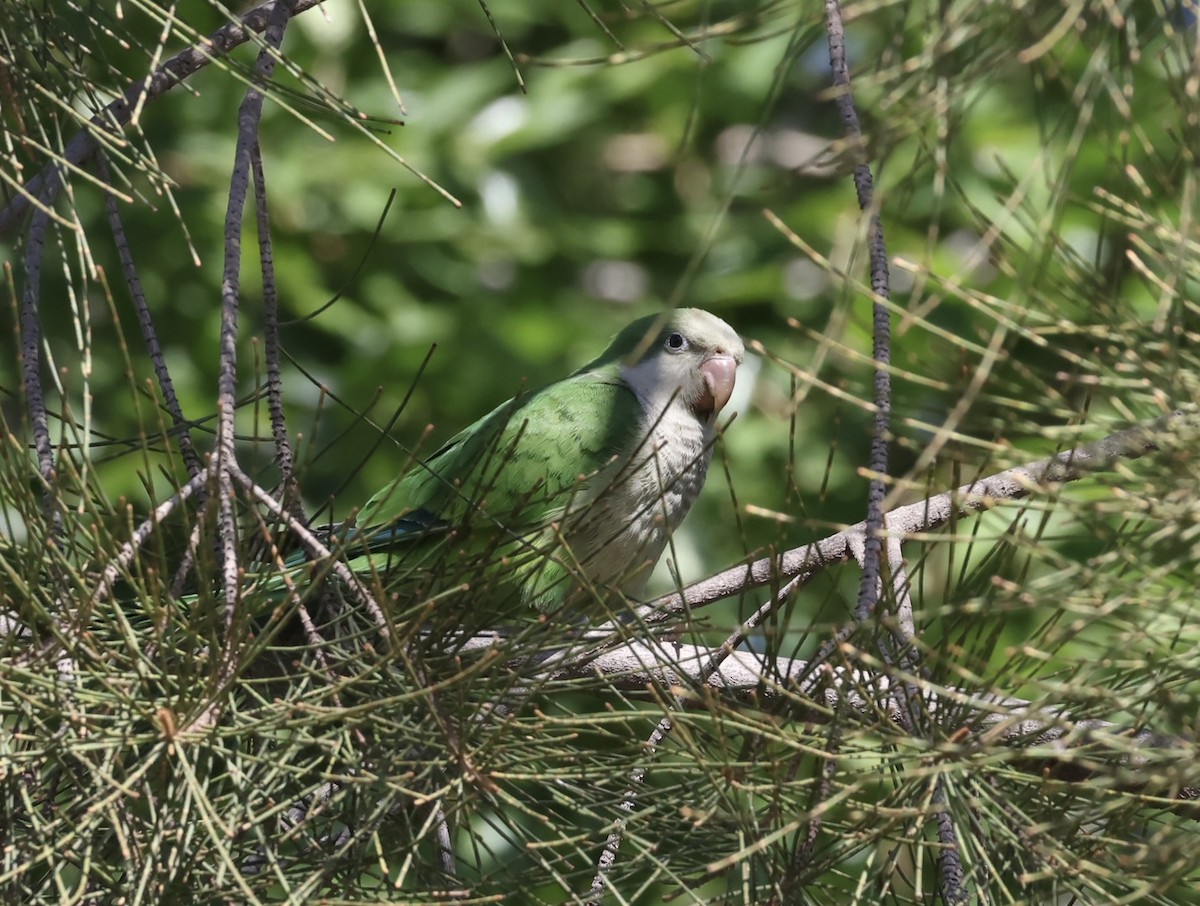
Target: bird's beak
column 719, row 371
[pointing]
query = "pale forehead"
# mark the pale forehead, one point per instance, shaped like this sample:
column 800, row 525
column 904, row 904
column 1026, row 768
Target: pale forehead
column 706, row 327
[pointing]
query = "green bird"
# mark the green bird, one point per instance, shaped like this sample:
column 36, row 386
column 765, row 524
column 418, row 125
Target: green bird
column 573, row 489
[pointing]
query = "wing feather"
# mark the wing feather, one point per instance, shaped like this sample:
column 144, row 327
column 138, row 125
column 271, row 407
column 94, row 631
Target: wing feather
column 516, row 468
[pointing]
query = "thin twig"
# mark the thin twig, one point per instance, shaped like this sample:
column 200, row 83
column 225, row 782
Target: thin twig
column 187, row 561
column 826, row 770
column 629, row 801
column 864, row 185
column 166, row 386
column 316, row 550
column 950, row 869
column 131, row 548
column 283, row 446
column 225, row 459
column 249, row 115
column 42, row 190
column 444, row 843
column 31, row 361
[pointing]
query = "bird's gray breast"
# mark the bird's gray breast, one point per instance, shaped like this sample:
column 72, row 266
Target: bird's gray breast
column 643, row 500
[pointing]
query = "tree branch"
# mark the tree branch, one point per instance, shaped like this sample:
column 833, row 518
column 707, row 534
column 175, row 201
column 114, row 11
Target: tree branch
column 805, row 562
column 972, row 720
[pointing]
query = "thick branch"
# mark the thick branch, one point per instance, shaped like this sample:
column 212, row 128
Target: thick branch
column 806, row 562
column 973, row 721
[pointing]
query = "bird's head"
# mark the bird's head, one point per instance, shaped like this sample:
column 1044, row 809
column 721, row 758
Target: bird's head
column 688, row 355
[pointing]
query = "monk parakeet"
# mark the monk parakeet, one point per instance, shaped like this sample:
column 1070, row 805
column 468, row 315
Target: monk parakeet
column 570, row 490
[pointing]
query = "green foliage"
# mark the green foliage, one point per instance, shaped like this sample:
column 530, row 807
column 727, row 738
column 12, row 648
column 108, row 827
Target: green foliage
column 1036, row 178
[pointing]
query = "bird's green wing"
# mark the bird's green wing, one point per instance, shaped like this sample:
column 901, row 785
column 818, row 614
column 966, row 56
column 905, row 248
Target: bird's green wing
column 519, row 458
column 501, row 482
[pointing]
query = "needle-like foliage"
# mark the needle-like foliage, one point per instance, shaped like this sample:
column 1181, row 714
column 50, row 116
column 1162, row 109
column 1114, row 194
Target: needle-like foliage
column 931, row 636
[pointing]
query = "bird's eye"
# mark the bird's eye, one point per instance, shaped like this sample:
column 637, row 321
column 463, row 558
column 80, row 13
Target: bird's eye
column 676, row 342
